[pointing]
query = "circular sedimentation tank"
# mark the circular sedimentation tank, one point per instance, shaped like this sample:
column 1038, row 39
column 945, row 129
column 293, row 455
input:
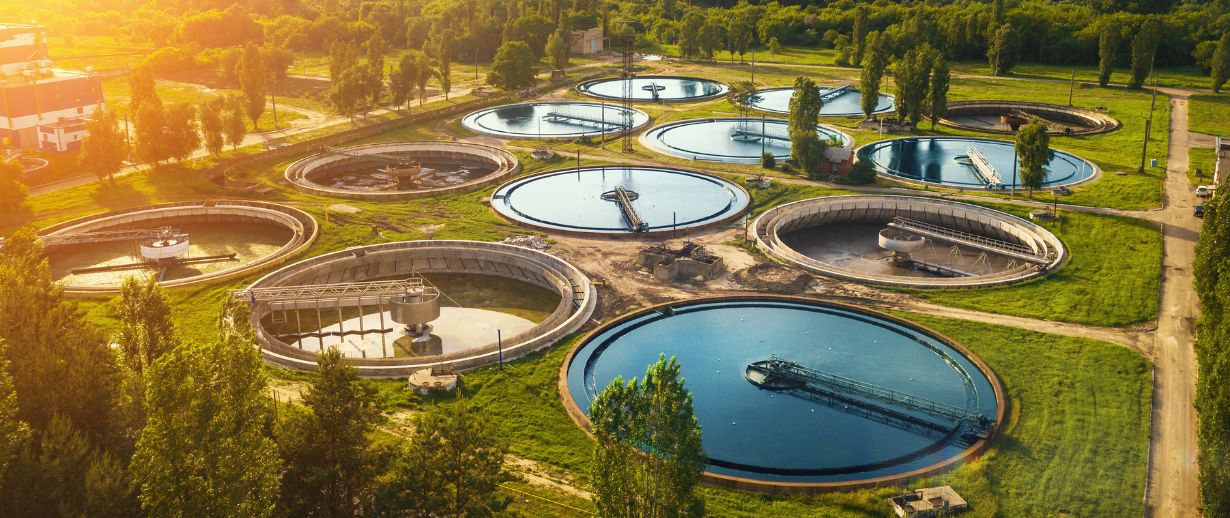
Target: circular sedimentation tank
column 1005, row 117
column 596, row 200
column 908, row 241
column 492, row 301
column 731, row 139
column 655, row 88
column 839, row 101
column 401, row 170
column 181, row 244
column 554, row 120
column 766, row 377
column 967, row 162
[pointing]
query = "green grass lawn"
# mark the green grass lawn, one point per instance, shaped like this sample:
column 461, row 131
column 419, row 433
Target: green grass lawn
column 1075, row 442
column 1178, row 77
column 1203, row 159
column 1209, row 114
column 1111, row 279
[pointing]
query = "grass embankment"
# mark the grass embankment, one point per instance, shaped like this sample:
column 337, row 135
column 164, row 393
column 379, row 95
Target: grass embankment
column 1209, row 114
column 1075, row 442
column 1111, row 278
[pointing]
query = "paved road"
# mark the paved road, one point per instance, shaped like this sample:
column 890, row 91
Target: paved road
column 1173, row 490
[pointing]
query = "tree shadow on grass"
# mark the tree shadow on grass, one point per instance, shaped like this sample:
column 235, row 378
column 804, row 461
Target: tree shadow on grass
column 117, row 195
column 12, row 219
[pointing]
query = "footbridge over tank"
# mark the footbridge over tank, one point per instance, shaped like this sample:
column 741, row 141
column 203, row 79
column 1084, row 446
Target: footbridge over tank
column 1010, row 249
column 780, row 374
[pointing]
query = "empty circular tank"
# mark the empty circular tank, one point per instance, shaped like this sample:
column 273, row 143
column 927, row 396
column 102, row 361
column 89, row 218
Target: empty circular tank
column 554, row 120
column 655, row 88
column 401, row 170
column 461, row 332
column 615, row 200
column 733, row 139
column 962, row 245
column 225, row 239
column 1004, row 117
column 766, row 427
column 968, row 162
column 839, row 101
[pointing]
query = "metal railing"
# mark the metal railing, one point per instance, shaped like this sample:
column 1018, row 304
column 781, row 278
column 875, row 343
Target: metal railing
column 1006, row 248
column 334, row 291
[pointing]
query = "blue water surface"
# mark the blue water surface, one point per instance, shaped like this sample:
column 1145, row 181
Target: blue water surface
column 767, row 433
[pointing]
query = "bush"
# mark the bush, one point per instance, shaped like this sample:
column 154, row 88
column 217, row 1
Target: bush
column 862, row 173
column 767, row 160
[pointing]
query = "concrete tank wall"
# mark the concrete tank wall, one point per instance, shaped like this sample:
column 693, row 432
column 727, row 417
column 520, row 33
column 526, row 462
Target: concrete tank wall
column 578, row 298
column 771, row 225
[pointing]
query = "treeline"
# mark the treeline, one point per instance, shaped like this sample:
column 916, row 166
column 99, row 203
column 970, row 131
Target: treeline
column 1212, row 273
column 139, row 421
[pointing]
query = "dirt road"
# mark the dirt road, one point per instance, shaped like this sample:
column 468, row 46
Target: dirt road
column 1173, row 483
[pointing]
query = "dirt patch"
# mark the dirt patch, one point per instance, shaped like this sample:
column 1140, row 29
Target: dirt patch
column 773, row 278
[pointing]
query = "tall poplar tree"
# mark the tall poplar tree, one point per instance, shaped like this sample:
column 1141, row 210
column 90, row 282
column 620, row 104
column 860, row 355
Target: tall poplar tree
column 253, row 83
column 1144, row 47
column 806, row 148
column 1108, row 50
column 941, row 79
column 870, row 79
column 1033, row 146
column 1221, row 62
column 104, row 149
column 649, row 456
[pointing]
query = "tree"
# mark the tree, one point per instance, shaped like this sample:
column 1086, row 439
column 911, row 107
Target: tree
column 402, row 79
column 712, row 35
column 442, row 49
column 146, row 331
column 212, row 127
column 330, row 459
column 689, row 33
column 1221, row 62
column 557, row 48
column 452, row 466
column 941, row 79
column 347, row 92
column 180, row 136
column 343, row 55
column 205, row 450
column 422, row 75
column 649, row 456
column 13, row 432
column 1211, row 270
column 869, row 80
column 233, row 127
column 375, row 68
column 1108, row 50
column 1002, row 52
column 69, row 372
column 740, row 31
column 277, row 65
column 512, row 67
column 141, row 86
column 253, row 83
column 1033, row 146
column 13, row 191
column 1144, row 47
column 103, row 150
column 859, row 36
column 774, row 46
column 913, row 77
column 740, row 95
column 149, row 133
column 805, row 106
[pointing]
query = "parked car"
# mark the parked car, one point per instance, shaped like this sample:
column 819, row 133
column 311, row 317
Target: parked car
column 1199, row 211
column 1203, row 191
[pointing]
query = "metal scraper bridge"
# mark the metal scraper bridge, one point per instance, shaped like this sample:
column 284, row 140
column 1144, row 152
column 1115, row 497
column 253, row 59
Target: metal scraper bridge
column 779, row 374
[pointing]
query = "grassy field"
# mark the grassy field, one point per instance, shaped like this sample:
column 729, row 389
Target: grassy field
column 1111, row 279
column 1075, row 442
column 1203, row 159
column 1209, row 114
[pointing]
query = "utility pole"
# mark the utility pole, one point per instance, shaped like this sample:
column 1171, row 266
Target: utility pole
column 1071, row 85
column 1144, row 147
